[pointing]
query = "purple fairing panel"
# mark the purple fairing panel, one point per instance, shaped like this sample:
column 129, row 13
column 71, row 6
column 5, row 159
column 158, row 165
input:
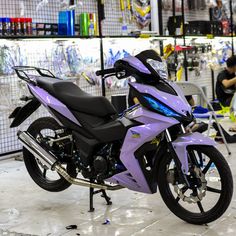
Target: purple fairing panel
column 181, row 143
column 51, row 102
column 153, row 125
column 177, row 103
column 137, row 64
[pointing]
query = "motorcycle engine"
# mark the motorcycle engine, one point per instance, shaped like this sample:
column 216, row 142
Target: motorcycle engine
column 100, row 165
column 103, row 164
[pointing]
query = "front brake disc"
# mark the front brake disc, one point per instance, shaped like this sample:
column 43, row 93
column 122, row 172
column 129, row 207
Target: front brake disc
column 201, row 190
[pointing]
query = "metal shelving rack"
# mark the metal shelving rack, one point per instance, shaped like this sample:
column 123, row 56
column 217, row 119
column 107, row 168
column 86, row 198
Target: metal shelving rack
column 101, row 37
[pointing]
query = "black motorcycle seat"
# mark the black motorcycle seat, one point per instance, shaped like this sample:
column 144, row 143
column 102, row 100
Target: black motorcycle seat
column 75, row 98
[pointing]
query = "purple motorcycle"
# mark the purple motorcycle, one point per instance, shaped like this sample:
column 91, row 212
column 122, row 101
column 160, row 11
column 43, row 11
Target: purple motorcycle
column 145, row 147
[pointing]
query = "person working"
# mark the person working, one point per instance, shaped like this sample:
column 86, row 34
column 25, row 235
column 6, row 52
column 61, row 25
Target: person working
column 226, row 82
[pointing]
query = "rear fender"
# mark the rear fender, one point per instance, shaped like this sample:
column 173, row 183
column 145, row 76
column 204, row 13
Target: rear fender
column 181, row 143
column 20, row 114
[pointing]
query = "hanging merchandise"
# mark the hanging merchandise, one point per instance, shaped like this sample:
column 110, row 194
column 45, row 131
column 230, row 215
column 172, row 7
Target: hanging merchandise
column 69, row 4
column 226, row 52
column 124, row 29
column 221, row 52
column 8, row 59
column 88, row 78
column 74, row 60
column 234, row 7
column 226, row 5
column 178, row 5
column 211, row 3
column 219, row 13
column 89, row 75
column 42, row 4
column 168, row 50
column 179, row 74
column 5, row 100
column 167, row 5
column 22, row 8
column 45, row 57
column 59, row 61
column 130, row 11
column 142, row 12
column 193, row 63
column 113, row 57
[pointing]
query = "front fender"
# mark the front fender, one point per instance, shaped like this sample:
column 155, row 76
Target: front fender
column 181, row 143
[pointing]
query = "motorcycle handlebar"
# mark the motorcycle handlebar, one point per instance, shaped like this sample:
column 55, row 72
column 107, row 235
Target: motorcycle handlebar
column 106, row 72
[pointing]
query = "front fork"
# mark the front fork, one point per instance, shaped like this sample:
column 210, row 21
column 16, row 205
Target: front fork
column 172, row 152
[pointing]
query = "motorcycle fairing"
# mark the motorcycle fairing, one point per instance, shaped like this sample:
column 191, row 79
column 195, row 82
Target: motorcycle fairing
column 137, row 64
column 177, row 103
column 153, row 125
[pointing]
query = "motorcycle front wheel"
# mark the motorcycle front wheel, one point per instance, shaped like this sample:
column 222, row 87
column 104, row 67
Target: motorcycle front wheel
column 211, row 186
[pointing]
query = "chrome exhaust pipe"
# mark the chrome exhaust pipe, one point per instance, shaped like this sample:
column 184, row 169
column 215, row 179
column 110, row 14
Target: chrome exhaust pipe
column 60, row 170
column 50, row 161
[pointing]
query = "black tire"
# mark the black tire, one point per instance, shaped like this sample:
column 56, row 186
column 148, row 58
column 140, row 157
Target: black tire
column 225, row 195
column 32, row 165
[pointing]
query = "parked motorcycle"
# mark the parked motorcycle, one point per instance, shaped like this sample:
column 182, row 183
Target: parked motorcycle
column 144, row 148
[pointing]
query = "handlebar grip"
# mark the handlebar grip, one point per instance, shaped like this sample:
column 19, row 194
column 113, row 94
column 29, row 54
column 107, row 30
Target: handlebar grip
column 105, row 72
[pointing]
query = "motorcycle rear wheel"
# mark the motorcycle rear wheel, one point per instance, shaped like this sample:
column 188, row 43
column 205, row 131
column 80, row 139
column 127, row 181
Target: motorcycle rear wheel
column 177, row 202
column 46, row 179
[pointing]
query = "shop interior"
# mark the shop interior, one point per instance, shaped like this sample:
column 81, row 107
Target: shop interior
column 115, row 89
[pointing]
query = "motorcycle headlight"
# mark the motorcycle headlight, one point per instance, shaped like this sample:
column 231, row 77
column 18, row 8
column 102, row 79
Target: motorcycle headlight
column 161, row 108
column 160, row 67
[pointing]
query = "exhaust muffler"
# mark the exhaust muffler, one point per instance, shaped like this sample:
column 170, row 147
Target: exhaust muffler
column 49, row 160
column 30, row 143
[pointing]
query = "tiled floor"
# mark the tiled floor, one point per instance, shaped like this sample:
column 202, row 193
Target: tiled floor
column 25, row 209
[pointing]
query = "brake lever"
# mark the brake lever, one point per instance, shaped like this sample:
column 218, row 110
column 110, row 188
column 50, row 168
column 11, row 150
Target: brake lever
column 110, row 75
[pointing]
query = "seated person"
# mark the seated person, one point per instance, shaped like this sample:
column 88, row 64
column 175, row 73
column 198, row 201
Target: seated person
column 226, row 82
